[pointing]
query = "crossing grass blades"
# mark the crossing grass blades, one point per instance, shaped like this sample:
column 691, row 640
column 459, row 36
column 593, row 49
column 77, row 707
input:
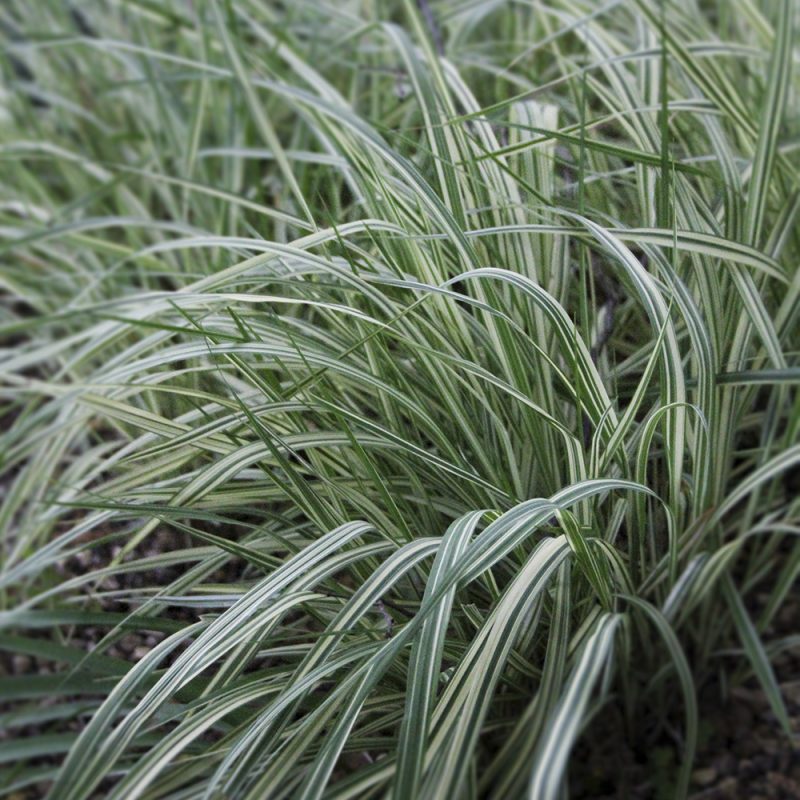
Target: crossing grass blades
column 448, row 354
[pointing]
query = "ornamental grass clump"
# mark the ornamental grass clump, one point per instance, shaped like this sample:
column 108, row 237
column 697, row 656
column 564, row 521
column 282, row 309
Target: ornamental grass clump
column 396, row 395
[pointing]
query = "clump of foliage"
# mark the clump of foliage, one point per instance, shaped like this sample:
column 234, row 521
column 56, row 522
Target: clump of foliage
column 449, row 352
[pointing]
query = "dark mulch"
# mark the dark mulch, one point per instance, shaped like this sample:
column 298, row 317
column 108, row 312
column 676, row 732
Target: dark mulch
column 747, row 755
column 743, row 753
